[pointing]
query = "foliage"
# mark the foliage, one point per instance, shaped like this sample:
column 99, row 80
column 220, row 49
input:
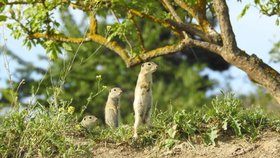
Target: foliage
column 266, row 7
column 269, row 8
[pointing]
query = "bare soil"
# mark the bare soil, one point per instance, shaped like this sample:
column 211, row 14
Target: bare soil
column 266, row 146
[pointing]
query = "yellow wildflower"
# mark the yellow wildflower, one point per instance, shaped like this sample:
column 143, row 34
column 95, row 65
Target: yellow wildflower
column 61, row 109
column 98, row 77
column 71, row 110
column 78, row 126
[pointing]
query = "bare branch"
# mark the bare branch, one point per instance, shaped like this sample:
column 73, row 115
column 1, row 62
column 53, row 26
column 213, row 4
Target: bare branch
column 163, row 23
column 227, row 33
column 171, row 10
column 186, row 7
column 175, row 48
column 20, row 3
column 93, row 23
column 74, row 5
column 112, row 45
column 198, row 11
column 206, row 45
column 177, row 28
column 60, row 38
column 170, row 49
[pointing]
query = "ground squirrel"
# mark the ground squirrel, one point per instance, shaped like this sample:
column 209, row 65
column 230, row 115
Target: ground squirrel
column 112, row 108
column 143, row 96
column 89, row 121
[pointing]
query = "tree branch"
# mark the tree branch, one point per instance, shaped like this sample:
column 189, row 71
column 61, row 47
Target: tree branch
column 186, row 7
column 171, row 10
column 92, row 23
column 198, row 11
column 74, row 5
column 20, row 3
column 169, row 49
column 256, row 69
column 176, row 27
column 214, row 48
column 60, row 38
column 163, row 23
column 112, row 45
column 227, row 33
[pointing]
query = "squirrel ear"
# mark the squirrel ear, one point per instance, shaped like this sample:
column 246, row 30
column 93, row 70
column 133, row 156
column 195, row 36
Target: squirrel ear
column 143, row 65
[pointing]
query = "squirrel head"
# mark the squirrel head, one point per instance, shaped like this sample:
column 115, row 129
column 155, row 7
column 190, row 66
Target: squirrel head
column 115, row 92
column 148, row 67
column 89, row 121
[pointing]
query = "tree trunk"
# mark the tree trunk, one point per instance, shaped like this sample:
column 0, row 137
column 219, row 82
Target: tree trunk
column 257, row 71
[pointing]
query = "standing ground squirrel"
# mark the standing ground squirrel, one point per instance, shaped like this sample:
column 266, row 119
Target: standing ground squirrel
column 112, row 108
column 143, row 96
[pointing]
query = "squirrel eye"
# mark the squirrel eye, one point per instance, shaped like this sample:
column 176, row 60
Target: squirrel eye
column 85, row 118
column 90, row 117
column 114, row 89
column 149, row 64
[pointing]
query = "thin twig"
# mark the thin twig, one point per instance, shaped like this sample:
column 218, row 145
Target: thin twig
column 172, row 10
column 126, row 39
column 139, row 34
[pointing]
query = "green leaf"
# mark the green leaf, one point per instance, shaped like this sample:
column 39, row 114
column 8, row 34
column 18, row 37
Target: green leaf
column 8, row 94
column 3, row 18
column 67, row 47
column 225, row 124
column 172, row 131
column 211, row 136
column 257, row 1
column 237, row 127
column 53, row 55
column 277, row 22
column 169, row 143
column 247, row 6
column 28, row 45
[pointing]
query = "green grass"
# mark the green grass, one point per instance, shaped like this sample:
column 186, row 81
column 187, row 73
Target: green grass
column 37, row 131
column 55, row 131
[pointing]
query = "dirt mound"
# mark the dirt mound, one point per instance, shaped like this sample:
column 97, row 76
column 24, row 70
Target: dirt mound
column 267, row 146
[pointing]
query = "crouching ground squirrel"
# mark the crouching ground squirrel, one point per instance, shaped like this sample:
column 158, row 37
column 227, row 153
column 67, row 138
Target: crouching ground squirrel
column 143, row 96
column 112, row 108
column 89, row 122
